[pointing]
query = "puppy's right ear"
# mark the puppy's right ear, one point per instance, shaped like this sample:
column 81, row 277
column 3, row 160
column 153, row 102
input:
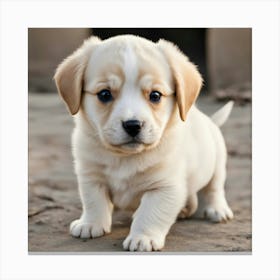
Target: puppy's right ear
column 70, row 74
column 187, row 79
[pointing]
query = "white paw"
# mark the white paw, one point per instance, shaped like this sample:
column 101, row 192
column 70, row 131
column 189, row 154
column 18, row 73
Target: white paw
column 143, row 243
column 218, row 212
column 82, row 229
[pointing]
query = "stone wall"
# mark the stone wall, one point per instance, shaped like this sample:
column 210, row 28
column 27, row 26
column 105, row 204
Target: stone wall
column 47, row 47
column 229, row 57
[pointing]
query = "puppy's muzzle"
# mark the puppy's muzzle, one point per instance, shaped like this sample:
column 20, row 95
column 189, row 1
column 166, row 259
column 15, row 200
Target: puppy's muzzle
column 132, row 127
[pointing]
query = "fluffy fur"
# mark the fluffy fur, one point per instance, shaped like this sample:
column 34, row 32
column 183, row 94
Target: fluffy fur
column 178, row 152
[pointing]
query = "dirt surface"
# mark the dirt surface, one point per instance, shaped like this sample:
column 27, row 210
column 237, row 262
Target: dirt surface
column 54, row 201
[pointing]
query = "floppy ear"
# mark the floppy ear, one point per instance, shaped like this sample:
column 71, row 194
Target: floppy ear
column 70, row 74
column 187, row 79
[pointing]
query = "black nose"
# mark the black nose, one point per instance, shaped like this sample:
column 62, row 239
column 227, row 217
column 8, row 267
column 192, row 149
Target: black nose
column 132, row 127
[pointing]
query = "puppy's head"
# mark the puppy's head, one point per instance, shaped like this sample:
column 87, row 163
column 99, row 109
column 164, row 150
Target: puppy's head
column 129, row 89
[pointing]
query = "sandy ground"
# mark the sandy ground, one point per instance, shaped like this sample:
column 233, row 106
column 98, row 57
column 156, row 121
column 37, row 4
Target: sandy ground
column 54, row 201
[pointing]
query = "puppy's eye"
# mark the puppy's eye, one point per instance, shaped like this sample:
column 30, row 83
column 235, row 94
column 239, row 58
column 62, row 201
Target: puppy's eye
column 105, row 96
column 155, row 96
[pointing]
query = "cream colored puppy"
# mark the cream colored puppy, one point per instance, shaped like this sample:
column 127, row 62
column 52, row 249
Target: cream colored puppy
column 139, row 141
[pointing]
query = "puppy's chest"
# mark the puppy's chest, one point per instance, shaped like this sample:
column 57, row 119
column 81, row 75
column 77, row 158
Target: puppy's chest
column 123, row 186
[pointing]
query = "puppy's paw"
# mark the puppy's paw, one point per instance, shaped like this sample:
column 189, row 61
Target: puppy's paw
column 83, row 229
column 190, row 208
column 185, row 213
column 219, row 212
column 143, row 243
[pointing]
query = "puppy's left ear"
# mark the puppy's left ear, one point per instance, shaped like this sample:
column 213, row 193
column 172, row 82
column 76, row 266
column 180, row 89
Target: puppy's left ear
column 70, row 74
column 188, row 80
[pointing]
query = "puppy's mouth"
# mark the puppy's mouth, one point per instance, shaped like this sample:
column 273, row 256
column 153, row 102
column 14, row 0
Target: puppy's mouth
column 133, row 143
column 131, row 146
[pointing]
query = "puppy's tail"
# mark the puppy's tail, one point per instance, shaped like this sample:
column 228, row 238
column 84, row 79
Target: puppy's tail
column 220, row 117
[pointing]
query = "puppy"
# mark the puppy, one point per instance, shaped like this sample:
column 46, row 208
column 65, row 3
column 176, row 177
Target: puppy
column 139, row 142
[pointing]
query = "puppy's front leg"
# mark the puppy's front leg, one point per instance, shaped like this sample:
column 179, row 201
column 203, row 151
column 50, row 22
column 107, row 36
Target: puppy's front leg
column 96, row 218
column 154, row 217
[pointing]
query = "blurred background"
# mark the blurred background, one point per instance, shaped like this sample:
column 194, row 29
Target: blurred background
column 223, row 55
